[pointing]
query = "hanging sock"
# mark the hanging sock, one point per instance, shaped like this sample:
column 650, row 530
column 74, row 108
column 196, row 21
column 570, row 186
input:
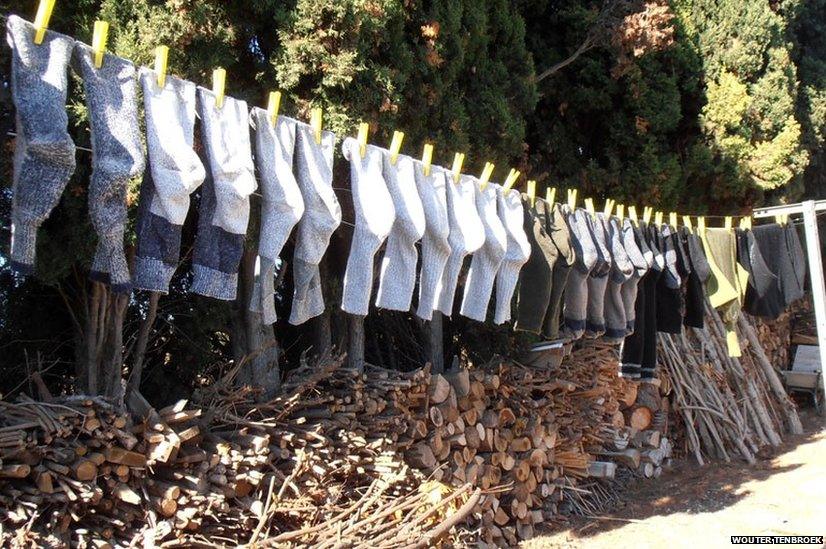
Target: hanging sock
column 695, row 285
column 467, row 234
column 435, row 242
column 641, row 259
column 535, row 278
column 175, row 171
column 117, row 157
column 517, row 251
column 398, row 267
column 557, row 227
column 622, row 269
column 322, row 216
column 486, row 260
column 576, row 291
column 281, row 204
column 374, row 219
column 225, row 199
column 44, row 154
column 724, row 288
column 670, row 304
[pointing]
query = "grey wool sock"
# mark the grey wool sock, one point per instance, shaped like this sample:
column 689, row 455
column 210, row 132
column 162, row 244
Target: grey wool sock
column 576, row 290
column 466, row 235
column 281, row 204
column 398, row 266
column 598, row 279
column 641, row 262
column 44, row 154
column 486, row 260
column 374, row 219
column 175, row 171
column 117, row 157
column 621, row 271
column 435, row 242
column 225, row 200
column 322, row 215
column 517, row 251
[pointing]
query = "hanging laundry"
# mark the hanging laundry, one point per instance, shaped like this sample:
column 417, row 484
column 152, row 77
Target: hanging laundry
column 761, row 281
column 724, row 288
column 397, row 277
column 175, row 171
column 224, row 211
column 597, row 280
column 622, row 269
column 322, row 216
column 557, row 227
column 435, row 242
column 641, row 258
column 374, row 219
column 117, row 156
column 669, row 295
column 44, row 154
column 486, row 260
column 535, row 278
column 467, row 234
column 780, row 248
column 697, row 278
column 517, row 251
column 281, row 203
column 576, row 291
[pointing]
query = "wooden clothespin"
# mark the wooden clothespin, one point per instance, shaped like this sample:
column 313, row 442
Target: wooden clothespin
column 609, row 207
column 687, row 223
column 727, row 222
column 99, row 38
column 513, row 175
column 532, row 191
column 396, row 146
column 458, row 160
column 632, row 214
column 672, row 219
column 781, row 219
column 646, row 214
column 364, row 129
column 701, row 225
column 315, row 123
column 161, row 58
column 572, row 199
column 745, row 223
column 621, row 212
column 273, row 106
column 219, row 79
column 427, row 158
column 41, row 20
column 589, row 207
column 485, row 177
column 658, row 219
column 550, row 195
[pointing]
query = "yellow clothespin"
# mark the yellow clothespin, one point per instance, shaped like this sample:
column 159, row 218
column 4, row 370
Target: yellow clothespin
column 458, row 160
column 41, row 20
column 589, row 207
column 745, row 223
column 672, row 219
column 511, row 179
column 632, row 214
column 646, row 213
column 364, row 128
column 781, row 219
column 315, row 123
column 273, row 106
column 701, row 225
column 532, row 191
column 99, row 38
column 727, row 223
column 550, row 195
column 396, row 146
column 219, row 79
column 658, row 218
column 161, row 57
column 609, row 207
column 572, row 199
column 485, row 177
column 621, row 212
column 427, row 157
column 687, row 223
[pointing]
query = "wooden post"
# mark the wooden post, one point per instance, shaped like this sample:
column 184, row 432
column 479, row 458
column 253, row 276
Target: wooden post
column 355, row 344
column 436, row 344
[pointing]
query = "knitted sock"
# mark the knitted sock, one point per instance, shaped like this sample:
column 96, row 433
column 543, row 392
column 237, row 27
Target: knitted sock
column 225, row 200
column 435, row 242
column 486, row 260
column 598, row 279
column 374, row 219
column 535, row 278
column 44, row 154
column 281, row 204
column 640, row 265
column 175, row 171
column 322, row 216
column 576, row 291
column 557, row 226
column 467, row 234
column 621, row 271
column 398, row 267
column 517, row 252
column 117, row 156
column 670, row 303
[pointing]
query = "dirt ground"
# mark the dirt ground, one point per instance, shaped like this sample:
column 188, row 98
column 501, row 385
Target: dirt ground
column 702, row 507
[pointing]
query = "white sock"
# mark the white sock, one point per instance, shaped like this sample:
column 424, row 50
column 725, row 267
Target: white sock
column 517, row 253
column 435, row 242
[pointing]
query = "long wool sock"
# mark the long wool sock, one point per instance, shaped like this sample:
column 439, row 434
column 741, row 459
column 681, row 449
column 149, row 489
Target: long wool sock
column 117, row 157
column 466, row 235
column 322, row 216
column 557, row 226
column 398, row 267
column 632, row 241
column 598, row 279
column 576, row 291
column 517, row 251
column 374, row 219
column 44, row 154
column 535, row 278
column 175, row 171
column 670, row 305
column 281, row 204
column 435, row 242
column 622, row 269
column 486, row 260
column 225, row 199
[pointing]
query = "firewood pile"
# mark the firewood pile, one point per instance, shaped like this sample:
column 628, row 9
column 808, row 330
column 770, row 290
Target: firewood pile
column 729, row 407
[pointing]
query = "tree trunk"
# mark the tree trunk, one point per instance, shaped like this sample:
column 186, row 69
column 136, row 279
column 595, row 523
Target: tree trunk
column 355, row 345
column 435, row 348
column 143, row 341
